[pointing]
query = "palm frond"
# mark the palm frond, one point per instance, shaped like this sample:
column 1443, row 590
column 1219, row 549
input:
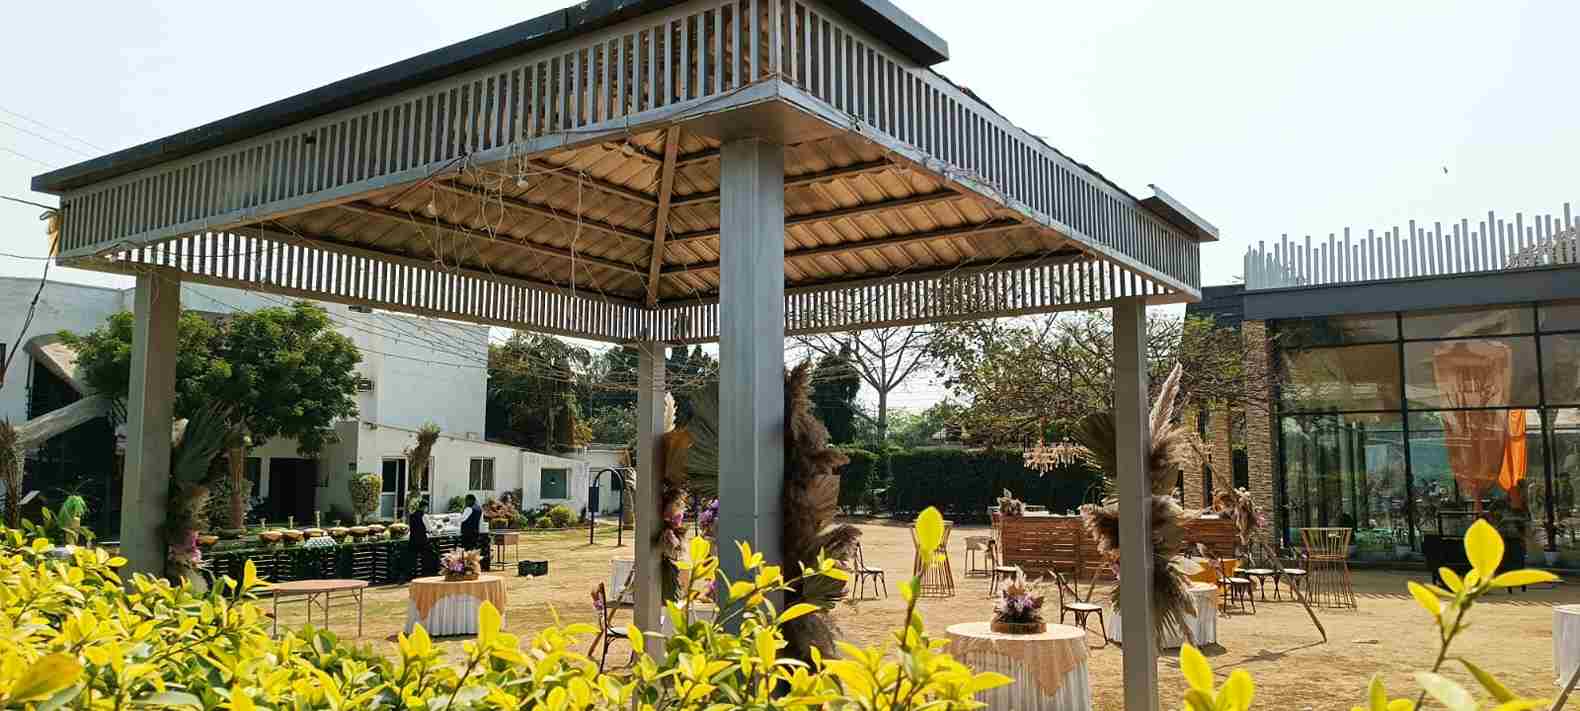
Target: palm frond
column 811, row 499
column 702, row 459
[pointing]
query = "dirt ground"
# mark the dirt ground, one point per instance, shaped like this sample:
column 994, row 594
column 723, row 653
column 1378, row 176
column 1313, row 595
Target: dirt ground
column 1511, row 635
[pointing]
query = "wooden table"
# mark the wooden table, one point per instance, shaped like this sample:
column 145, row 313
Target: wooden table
column 1566, row 641
column 502, row 539
column 318, row 592
column 1203, row 625
column 450, row 608
column 1049, row 669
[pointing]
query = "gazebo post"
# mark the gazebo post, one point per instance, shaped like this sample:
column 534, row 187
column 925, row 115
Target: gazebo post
column 751, row 350
column 649, row 429
column 145, row 484
column 1135, row 507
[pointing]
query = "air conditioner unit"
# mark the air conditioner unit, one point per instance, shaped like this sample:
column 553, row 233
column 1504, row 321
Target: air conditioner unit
column 364, row 385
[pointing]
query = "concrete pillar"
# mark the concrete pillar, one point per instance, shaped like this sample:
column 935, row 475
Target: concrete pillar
column 1135, row 509
column 751, row 350
column 1259, row 428
column 150, row 406
column 1221, row 448
column 649, row 455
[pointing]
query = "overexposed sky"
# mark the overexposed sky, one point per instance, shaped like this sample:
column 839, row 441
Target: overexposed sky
column 1264, row 118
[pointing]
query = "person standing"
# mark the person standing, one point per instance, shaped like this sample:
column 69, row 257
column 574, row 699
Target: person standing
column 419, row 553
column 471, row 523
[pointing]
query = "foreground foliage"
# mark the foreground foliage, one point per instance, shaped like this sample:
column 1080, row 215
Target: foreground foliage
column 71, row 636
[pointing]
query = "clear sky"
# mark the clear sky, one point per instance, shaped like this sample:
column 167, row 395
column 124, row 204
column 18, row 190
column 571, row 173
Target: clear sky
column 1264, row 118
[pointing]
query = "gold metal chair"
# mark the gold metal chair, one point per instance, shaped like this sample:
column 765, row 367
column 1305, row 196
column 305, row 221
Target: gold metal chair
column 1328, row 566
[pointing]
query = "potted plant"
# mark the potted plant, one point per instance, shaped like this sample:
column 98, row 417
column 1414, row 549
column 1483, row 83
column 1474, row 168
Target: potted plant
column 1019, row 609
column 459, row 565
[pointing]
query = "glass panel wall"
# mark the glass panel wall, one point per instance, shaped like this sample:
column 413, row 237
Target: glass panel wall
column 1409, row 426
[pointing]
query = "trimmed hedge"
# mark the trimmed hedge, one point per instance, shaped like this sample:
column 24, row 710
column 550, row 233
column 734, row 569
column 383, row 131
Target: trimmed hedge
column 963, row 483
column 861, row 475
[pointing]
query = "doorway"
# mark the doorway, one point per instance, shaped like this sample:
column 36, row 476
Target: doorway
column 293, row 489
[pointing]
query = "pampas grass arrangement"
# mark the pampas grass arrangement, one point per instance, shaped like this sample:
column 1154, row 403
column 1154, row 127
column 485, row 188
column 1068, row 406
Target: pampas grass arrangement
column 811, row 499
column 1170, row 450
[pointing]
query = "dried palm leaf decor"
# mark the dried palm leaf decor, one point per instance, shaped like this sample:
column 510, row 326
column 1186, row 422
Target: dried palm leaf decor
column 1170, row 448
column 811, row 498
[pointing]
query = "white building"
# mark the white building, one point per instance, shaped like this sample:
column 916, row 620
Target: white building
column 414, row 371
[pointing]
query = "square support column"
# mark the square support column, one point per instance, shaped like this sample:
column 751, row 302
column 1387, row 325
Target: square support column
column 649, row 451
column 751, row 350
column 150, row 408
column 1132, row 435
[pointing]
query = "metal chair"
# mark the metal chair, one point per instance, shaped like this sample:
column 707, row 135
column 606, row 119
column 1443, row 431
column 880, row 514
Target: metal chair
column 998, row 572
column 938, row 576
column 1234, row 589
column 607, row 632
column 859, row 567
column 979, row 550
column 1327, row 553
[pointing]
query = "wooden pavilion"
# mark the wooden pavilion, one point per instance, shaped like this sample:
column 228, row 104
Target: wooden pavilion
column 652, row 172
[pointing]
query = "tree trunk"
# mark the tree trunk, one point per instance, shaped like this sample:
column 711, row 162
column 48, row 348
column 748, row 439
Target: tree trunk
column 236, row 454
column 883, row 416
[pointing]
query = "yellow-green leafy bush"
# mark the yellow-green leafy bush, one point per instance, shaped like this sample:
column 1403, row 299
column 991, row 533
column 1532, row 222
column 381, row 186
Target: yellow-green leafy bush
column 71, row 636
column 1484, row 548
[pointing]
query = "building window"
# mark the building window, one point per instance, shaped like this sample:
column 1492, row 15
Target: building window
column 253, row 470
column 482, row 475
column 555, row 484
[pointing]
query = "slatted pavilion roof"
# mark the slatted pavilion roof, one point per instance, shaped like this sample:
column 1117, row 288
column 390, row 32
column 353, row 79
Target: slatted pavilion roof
column 563, row 175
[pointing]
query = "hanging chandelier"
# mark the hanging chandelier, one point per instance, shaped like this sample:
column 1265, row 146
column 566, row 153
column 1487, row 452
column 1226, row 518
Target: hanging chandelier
column 1043, row 458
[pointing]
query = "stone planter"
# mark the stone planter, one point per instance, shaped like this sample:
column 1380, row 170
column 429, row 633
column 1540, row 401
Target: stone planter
column 1019, row 627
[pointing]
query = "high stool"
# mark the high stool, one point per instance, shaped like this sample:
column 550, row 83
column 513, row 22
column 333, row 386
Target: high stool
column 979, row 550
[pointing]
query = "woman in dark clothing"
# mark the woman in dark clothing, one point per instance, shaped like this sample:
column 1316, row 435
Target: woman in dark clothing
column 417, row 549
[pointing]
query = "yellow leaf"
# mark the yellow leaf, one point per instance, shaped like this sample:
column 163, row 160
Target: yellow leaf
column 1377, row 696
column 1518, row 578
column 1452, row 579
column 1198, row 700
column 1401, row 705
column 1239, row 690
column 1197, row 672
column 46, row 676
column 1484, row 548
column 699, row 549
column 1439, row 687
column 929, row 531
column 1425, row 599
column 1493, row 686
column 488, row 623
column 797, row 610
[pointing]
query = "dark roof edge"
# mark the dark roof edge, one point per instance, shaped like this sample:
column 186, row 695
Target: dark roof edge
column 880, row 17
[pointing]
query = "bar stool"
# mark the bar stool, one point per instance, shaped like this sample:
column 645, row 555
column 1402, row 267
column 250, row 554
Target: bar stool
column 1327, row 554
column 979, row 549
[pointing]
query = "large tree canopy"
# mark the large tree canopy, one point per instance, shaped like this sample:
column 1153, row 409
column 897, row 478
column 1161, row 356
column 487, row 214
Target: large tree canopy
column 1021, row 376
column 285, row 372
column 835, row 384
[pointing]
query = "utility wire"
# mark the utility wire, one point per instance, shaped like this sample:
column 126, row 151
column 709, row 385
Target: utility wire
column 37, row 122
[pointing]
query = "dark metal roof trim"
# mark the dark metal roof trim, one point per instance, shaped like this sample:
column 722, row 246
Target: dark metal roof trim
column 879, row 17
column 1165, row 206
column 1550, row 283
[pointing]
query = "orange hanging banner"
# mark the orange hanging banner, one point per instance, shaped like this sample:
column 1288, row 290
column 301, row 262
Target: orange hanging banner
column 1514, row 461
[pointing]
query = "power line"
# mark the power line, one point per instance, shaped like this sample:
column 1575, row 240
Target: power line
column 46, row 139
column 37, row 122
column 25, row 156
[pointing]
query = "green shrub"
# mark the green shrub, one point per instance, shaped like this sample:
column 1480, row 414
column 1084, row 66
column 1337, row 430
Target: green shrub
column 457, row 504
column 364, row 489
column 964, row 482
column 80, row 640
column 562, row 516
column 858, row 478
column 544, row 522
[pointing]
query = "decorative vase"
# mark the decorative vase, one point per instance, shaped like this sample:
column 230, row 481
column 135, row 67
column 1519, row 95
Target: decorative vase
column 1019, row 627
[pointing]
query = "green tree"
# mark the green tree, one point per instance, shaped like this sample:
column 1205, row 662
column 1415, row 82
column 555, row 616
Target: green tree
column 283, row 372
column 531, row 380
column 835, row 384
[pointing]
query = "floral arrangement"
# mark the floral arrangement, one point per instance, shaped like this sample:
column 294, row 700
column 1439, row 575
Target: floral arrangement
column 461, row 564
column 1019, row 607
column 708, row 520
column 1008, row 505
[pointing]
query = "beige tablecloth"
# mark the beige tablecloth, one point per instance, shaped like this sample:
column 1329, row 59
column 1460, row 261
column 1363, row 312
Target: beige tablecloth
column 1203, row 625
column 1566, row 641
column 445, row 609
column 1049, row 669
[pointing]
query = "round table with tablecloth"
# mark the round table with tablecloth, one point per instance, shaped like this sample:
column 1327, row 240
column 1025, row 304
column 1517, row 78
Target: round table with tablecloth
column 450, row 608
column 1566, row 640
column 1049, row 668
column 1203, row 625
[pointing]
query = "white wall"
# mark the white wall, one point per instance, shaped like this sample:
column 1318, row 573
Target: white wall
column 452, row 461
column 69, row 307
column 597, row 460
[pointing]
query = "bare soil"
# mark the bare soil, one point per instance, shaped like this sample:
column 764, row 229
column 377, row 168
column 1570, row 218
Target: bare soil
column 1510, row 635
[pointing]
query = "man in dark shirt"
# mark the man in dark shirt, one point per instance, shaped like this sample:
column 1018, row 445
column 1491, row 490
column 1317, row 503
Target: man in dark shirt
column 417, row 549
column 471, row 525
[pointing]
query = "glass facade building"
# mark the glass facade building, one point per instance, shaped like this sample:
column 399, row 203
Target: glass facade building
column 1409, row 425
